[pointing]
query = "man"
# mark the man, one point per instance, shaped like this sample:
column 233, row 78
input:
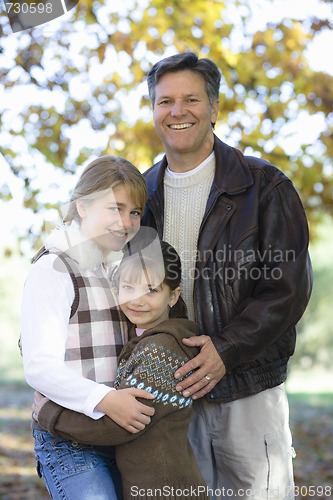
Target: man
column 241, row 231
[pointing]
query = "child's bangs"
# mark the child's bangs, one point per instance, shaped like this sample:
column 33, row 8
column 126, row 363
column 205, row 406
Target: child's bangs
column 140, row 270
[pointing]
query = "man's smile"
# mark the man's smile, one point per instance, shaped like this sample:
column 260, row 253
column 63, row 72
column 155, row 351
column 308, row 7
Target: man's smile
column 181, row 126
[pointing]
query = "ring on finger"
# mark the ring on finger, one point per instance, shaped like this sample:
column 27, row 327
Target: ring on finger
column 207, row 377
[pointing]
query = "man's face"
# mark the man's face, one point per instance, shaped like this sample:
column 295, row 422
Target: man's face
column 183, row 114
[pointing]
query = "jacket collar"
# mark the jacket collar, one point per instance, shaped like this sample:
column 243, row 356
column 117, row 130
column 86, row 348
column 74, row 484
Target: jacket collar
column 232, row 174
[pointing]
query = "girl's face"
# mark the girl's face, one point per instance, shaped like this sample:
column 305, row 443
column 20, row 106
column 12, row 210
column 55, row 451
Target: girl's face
column 146, row 305
column 110, row 220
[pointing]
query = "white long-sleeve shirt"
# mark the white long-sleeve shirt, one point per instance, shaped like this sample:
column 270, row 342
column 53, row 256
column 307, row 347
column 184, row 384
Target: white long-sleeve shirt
column 47, row 298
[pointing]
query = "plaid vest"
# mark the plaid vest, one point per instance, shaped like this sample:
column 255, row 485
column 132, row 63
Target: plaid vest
column 97, row 328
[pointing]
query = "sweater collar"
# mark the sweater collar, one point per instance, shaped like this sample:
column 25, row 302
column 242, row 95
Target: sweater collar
column 232, row 174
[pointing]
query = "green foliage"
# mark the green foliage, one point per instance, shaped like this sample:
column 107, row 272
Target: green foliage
column 12, row 277
column 90, row 66
column 315, row 331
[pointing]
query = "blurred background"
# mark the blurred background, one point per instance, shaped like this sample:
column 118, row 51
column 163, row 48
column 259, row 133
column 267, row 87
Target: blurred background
column 74, row 88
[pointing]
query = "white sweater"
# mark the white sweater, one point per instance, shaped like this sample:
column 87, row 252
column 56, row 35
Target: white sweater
column 185, row 199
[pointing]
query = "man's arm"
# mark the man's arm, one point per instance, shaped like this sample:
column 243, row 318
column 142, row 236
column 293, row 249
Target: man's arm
column 275, row 305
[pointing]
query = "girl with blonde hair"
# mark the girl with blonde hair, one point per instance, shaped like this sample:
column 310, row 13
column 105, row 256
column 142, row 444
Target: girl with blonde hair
column 72, row 331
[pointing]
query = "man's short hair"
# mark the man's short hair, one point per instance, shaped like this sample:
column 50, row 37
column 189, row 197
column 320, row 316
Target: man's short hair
column 186, row 61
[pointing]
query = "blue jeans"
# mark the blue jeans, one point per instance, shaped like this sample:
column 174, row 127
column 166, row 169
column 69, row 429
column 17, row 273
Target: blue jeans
column 73, row 471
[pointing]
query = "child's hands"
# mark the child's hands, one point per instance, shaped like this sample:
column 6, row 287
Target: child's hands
column 39, row 402
column 124, row 409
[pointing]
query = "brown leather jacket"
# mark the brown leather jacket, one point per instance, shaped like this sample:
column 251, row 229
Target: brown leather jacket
column 253, row 275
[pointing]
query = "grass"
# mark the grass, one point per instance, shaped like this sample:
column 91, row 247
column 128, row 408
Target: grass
column 311, row 417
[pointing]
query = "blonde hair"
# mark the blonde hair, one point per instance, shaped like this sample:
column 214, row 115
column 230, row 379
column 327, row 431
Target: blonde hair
column 107, row 172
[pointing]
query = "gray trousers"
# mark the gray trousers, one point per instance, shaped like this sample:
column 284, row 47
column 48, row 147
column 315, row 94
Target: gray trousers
column 244, row 448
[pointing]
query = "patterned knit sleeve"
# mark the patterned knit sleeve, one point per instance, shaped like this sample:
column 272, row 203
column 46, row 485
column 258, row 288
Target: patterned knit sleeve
column 151, row 366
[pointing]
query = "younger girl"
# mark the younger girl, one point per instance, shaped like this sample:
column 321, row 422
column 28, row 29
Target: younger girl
column 158, row 462
column 72, row 333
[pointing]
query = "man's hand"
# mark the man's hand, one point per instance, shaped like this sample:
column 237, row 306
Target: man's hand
column 123, row 407
column 207, row 365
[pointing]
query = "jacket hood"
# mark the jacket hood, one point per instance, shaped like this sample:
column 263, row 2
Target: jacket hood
column 69, row 240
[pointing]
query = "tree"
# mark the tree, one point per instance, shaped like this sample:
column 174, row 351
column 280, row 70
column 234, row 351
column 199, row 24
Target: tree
column 88, row 75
